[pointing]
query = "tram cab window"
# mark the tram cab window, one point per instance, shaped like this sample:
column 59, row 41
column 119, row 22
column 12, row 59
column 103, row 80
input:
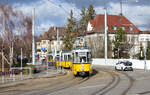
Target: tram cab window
column 82, row 59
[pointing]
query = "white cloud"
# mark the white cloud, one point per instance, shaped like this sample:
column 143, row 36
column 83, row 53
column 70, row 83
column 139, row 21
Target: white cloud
column 48, row 13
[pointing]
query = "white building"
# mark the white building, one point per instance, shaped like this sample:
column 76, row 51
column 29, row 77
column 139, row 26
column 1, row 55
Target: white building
column 114, row 22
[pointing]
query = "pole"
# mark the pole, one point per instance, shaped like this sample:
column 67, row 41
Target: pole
column 145, row 67
column 21, row 63
column 60, row 60
column 105, row 20
column 3, row 77
column 2, row 64
column 11, row 54
column 57, row 39
column 33, row 30
column 56, row 47
column 47, row 61
column 121, row 7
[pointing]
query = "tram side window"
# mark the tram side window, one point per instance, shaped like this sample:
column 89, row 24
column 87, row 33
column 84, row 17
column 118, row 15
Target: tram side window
column 61, row 58
column 65, row 57
column 88, row 56
column 57, row 57
column 73, row 57
column 50, row 57
column 77, row 57
column 69, row 58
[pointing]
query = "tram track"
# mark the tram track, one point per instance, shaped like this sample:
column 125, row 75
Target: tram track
column 130, row 84
column 59, row 87
column 67, row 85
column 113, row 83
column 50, row 89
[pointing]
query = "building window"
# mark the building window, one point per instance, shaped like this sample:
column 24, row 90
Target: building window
column 44, row 42
column 52, row 43
column 130, row 28
column 38, row 43
column 114, row 27
column 53, row 37
column 123, row 28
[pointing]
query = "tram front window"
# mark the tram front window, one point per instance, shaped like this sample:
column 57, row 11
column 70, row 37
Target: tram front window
column 82, row 59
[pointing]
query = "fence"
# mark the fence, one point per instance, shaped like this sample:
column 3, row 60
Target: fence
column 16, row 74
column 138, row 64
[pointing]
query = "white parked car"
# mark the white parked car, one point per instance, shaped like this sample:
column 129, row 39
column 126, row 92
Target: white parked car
column 124, row 65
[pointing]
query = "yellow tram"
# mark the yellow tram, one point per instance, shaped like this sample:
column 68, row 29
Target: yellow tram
column 51, row 60
column 66, row 59
column 81, row 65
column 62, row 58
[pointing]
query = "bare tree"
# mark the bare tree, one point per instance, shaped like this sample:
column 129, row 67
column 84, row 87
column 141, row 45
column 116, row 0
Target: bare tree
column 17, row 29
column 96, row 43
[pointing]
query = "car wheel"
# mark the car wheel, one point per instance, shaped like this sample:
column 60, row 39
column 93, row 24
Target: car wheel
column 115, row 68
column 122, row 69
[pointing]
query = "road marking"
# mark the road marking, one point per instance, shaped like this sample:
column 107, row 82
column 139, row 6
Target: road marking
column 92, row 86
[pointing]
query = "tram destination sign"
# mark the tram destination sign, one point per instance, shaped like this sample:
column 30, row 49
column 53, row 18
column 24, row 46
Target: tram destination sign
column 82, row 53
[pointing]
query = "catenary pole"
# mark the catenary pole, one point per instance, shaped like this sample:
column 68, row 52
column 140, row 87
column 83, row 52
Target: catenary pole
column 145, row 49
column 33, row 30
column 105, row 21
column 3, row 78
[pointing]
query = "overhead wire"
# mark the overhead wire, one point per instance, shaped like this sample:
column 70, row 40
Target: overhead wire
column 60, row 6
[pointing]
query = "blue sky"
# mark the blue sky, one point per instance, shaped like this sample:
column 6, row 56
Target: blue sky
column 55, row 12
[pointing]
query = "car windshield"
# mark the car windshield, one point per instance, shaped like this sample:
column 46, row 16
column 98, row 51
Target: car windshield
column 128, row 63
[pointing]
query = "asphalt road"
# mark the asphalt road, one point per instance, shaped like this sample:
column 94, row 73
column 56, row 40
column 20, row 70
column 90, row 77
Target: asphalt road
column 104, row 81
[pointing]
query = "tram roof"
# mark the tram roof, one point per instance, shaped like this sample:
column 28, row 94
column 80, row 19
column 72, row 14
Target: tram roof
column 82, row 48
column 57, row 53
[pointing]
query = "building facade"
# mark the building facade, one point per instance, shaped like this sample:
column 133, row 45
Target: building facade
column 95, row 30
column 42, row 48
column 94, row 36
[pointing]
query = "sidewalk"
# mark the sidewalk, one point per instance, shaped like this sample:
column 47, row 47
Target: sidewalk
column 44, row 74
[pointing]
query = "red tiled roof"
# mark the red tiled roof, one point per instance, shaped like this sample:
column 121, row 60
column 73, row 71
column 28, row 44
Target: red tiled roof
column 113, row 20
